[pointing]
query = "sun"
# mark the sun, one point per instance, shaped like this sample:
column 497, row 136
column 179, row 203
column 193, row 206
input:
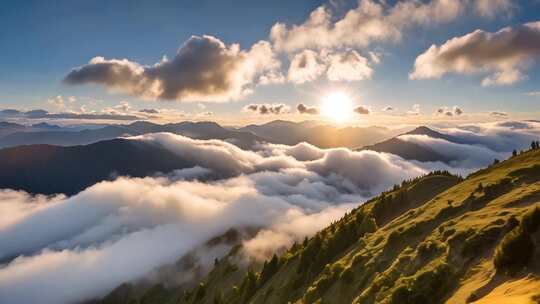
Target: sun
column 337, row 106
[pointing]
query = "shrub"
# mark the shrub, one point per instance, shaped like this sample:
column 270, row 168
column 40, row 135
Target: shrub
column 201, row 291
column 514, row 251
column 531, row 221
column 428, row 285
column 480, row 240
column 347, row 276
column 427, row 249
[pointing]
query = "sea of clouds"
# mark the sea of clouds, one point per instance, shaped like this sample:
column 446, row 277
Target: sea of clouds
column 60, row 249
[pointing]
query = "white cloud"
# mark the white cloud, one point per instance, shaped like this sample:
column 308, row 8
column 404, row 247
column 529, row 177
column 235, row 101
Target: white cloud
column 490, row 8
column 503, row 55
column 204, row 69
column 374, row 21
column 115, row 231
column 415, row 110
column 306, row 66
column 347, row 65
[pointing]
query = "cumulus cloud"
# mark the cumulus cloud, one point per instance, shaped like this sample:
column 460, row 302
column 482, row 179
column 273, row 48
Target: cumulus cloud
column 264, row 109
column 362, row 110
column 498, row 114
column 305, row 66
column 347, row 65
column 415, row 110
column 123, row 106
column 60, row 102
column 503, row 55
column 305, row 109
column 149, row 111
column 449, row 111
column 490, row 8
column 203, row 69
column 374, row 21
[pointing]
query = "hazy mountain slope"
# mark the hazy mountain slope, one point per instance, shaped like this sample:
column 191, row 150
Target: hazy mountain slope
column 412, row 151
column 7, row 128
column 50, row 169
column 323, row 136
column 198, row 130
column 433, row 240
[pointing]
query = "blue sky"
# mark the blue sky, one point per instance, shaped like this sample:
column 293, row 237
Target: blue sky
column 42, row 41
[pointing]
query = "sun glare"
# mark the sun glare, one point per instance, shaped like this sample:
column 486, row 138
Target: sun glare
column 337, row 106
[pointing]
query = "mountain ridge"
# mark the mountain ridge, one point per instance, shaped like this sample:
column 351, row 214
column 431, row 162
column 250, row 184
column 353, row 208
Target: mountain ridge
column 424, row 241
column 49, row 169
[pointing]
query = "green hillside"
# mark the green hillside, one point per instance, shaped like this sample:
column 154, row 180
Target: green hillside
column 436, row 239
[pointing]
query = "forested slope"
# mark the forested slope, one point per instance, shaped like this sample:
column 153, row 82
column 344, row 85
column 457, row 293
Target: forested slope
column 436, row 239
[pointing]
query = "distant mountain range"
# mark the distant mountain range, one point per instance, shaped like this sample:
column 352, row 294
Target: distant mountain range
column 12, row 135
column 67, row 165
column 50, row 169
column 278, row 131
column 323, row 136
column 7, row 128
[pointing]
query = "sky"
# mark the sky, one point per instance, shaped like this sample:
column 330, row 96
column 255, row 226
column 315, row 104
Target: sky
column 357, row 62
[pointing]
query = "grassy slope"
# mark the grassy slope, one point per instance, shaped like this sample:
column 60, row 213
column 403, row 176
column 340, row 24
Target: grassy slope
column 430, row 241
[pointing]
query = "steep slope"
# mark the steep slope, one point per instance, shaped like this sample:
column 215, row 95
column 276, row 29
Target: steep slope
column 437, row 239
column 50, row 169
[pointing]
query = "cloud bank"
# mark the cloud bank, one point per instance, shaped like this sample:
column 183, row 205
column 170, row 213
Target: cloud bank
column 122, row 230
column 116, row 231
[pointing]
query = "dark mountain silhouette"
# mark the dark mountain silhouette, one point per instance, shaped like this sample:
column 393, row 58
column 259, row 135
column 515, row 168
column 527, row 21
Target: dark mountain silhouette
column 46, row 126
column 412, row 151
column 51, row 169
